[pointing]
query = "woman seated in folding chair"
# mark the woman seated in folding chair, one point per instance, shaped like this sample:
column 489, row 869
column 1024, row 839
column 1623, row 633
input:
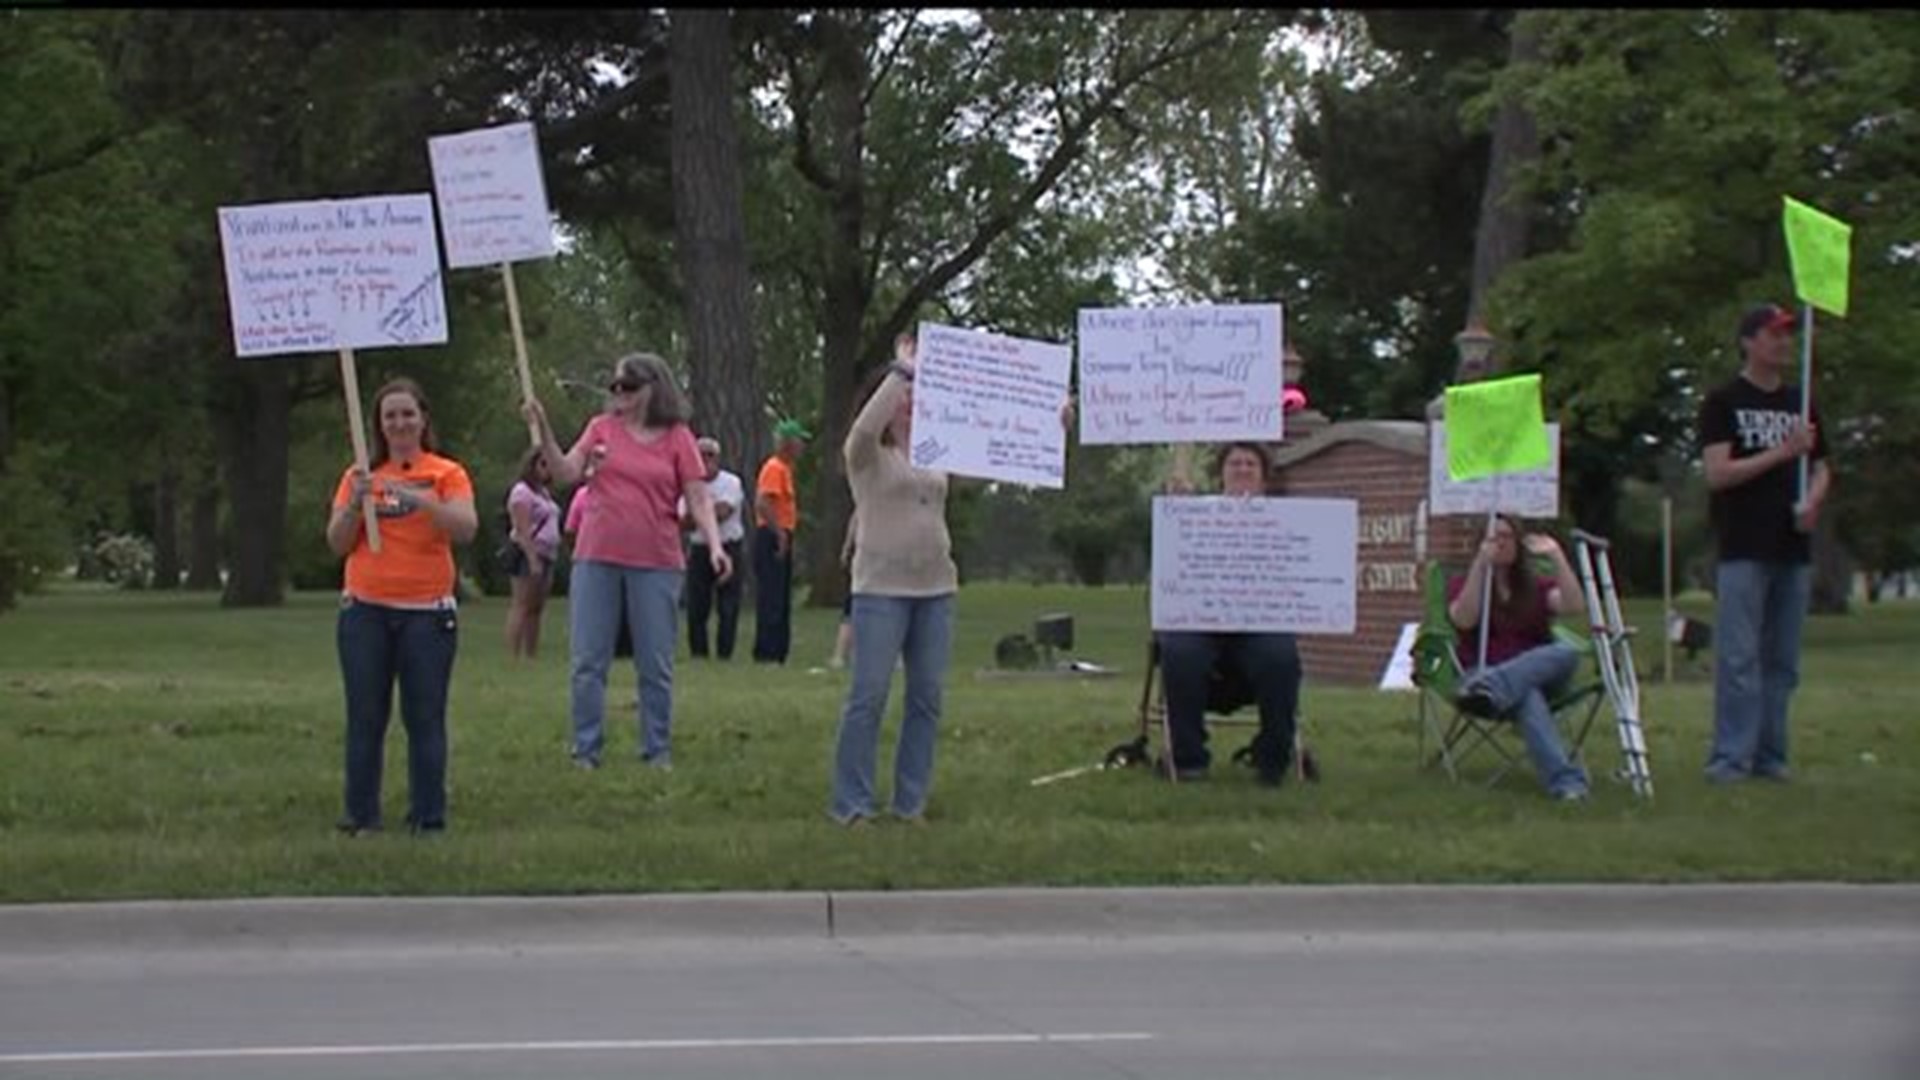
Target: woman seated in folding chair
column 1524, row 665
column 1269, row 662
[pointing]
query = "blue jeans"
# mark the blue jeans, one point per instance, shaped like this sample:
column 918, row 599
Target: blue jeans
column 1520, row 687
column 379, row 645
column 772, row 598
column 1760, row 608
column 596, row 596
column 1270, row 664
column 918, row 629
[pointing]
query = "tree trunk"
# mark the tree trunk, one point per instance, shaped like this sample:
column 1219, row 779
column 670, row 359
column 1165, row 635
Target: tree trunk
column 203, row 540
column 166, row 529
column 1832, row 571
column 253, row 443
column 1500, row 238
column 846, row 299
column 710, row 232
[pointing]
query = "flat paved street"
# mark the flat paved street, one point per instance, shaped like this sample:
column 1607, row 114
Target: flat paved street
column 1568, row 983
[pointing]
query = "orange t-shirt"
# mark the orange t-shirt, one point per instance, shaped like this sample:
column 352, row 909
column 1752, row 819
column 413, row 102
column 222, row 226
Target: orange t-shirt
column 776, row 484
column 415, row 564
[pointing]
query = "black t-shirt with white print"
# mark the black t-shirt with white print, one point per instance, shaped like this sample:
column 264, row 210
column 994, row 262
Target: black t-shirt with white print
column 1754, row 520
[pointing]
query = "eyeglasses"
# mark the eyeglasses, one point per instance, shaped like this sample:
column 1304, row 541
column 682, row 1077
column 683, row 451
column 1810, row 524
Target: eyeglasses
column 625, row 386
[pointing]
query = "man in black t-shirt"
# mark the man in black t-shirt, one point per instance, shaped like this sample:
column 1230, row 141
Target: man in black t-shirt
column 1752, row 439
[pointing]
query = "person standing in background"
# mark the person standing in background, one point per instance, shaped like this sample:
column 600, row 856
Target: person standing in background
column 535, row 540
column 704, row 591
column 777, row 514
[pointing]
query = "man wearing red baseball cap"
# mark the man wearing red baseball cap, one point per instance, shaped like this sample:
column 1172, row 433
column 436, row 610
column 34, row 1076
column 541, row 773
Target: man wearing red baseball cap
column 1751, row 438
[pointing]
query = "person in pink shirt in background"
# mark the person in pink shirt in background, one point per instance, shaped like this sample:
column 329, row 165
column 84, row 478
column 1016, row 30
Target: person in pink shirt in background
column 535, row 540
column 638, row 460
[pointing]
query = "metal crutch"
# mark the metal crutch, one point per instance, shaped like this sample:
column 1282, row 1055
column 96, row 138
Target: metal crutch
column 1615, row 654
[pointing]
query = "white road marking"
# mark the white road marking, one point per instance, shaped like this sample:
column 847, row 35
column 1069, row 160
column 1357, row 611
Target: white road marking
column 1010, row 1038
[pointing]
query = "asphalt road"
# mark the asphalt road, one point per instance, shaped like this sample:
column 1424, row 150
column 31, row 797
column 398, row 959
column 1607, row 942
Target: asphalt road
column 1746, row 984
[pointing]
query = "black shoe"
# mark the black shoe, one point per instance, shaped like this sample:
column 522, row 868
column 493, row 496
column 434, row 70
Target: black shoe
column 1477, row 701
column 1269, row 773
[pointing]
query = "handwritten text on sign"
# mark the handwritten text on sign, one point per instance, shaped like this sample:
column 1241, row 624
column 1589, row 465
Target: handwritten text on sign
column 1190, row 374
column 988, row 405
column 1534, row 494
column 1239, row 565
column 493, row 199
column 333, row 274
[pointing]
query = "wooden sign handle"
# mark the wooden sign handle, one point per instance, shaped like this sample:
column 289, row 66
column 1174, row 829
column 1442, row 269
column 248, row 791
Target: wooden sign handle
column 350, row 383
column 519, row 346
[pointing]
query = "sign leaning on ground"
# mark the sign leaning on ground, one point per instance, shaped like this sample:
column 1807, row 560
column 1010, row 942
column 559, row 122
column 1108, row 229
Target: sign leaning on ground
column 1180, row 375
column 1234, row 564
column 988, row 405
column 332, row 274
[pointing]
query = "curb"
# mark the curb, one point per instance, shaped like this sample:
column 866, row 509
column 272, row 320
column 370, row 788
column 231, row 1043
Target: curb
column 603, row 921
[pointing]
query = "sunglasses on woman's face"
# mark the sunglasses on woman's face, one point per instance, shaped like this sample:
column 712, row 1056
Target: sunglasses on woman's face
column 625, row 386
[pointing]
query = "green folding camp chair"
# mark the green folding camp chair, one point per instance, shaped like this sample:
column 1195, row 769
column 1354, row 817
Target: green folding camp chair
column 1459, row 734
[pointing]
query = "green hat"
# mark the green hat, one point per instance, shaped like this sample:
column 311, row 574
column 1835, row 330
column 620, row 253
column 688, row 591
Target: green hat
column 791, row 429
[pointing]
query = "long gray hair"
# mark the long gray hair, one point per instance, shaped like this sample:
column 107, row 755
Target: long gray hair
column 666, row 406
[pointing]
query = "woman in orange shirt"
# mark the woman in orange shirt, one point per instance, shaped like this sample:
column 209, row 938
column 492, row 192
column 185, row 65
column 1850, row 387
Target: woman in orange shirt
column 397, row 612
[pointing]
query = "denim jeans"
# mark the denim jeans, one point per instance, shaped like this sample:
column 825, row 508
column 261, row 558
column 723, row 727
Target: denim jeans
column 918, row 629
column 1270, row 663
column 702, row 593
column 1521, row 687
column 596, row 596
column 1760, row 608
column 772, row 598
column 379, row 645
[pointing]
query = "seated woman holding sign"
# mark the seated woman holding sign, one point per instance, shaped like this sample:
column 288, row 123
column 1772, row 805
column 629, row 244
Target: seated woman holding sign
column 1268, row 662
column 1524, row 665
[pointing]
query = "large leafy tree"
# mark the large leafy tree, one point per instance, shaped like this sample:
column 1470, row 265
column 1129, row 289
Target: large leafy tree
column 84, row 231
column 1670, row 137
column 920, row 144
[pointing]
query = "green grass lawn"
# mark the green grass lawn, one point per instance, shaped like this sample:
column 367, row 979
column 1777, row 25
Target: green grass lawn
column 156, row 746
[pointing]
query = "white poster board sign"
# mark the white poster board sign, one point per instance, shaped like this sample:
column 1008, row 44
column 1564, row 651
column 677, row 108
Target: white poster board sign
column 493, row 197
column 1399, row 672
column 333, row 274
column 988, row 405
column 1533, row 494
column 1236, row 564
column 1186, row 374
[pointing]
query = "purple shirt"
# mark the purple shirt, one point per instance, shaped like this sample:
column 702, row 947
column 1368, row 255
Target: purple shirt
column 1505, row 639
column 543, row 516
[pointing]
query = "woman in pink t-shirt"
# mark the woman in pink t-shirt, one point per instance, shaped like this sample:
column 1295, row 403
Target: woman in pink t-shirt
column 638, row 459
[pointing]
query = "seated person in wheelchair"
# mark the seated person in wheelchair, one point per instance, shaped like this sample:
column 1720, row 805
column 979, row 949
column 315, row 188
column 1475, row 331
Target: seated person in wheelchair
column 1269, row 663
column 1525, row 666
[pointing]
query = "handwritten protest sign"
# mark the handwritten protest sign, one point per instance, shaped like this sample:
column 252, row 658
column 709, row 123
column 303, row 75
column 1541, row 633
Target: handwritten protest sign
column 988, row 405
column 1496, row 427
column 1235, row 564
column 1533, row 493
column 493, row 198
column 1820, row 248
column 333, row 274
column 1186, row 374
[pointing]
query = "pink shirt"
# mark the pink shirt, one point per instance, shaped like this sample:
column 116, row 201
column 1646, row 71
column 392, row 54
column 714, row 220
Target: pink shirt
column 630, row 520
